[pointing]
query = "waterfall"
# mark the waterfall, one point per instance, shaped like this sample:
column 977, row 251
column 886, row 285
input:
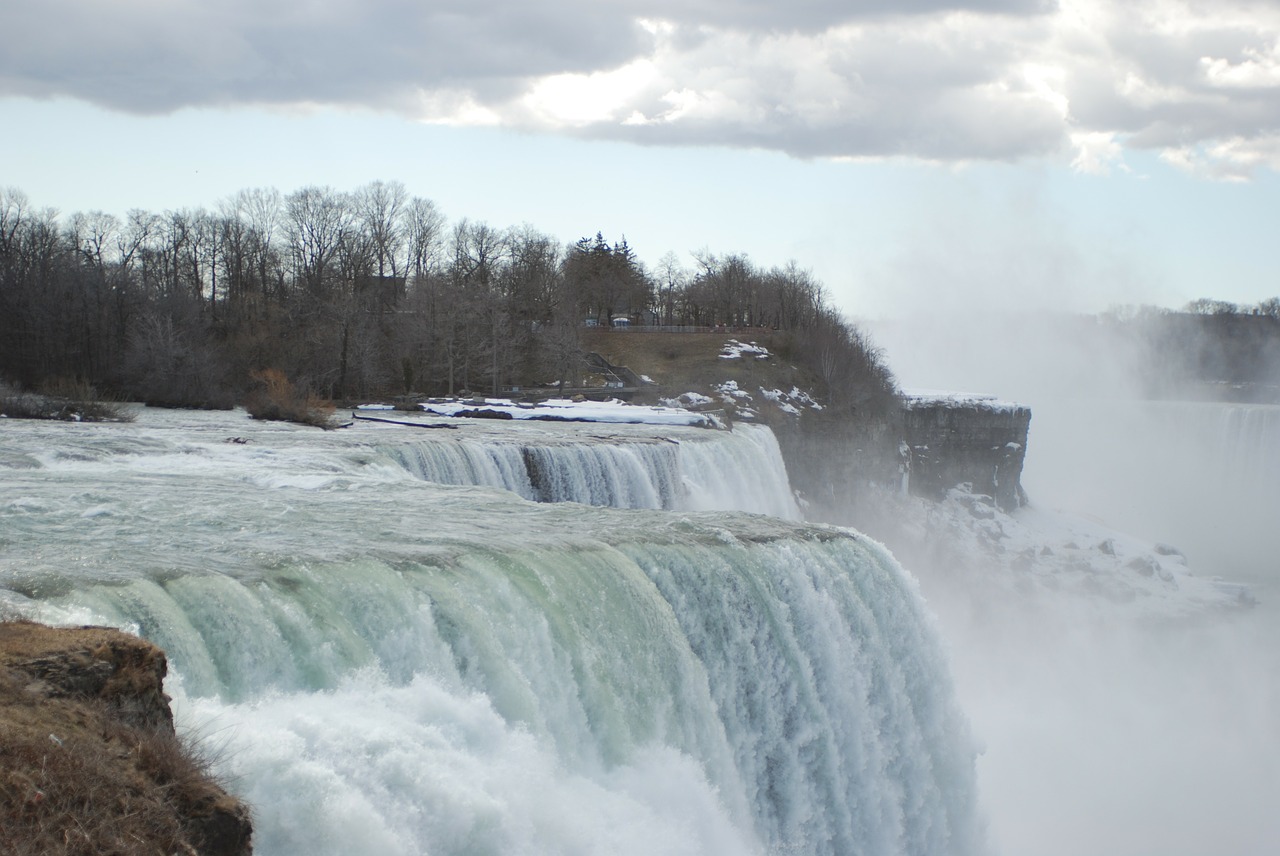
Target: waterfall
column 397, row 666
column 699, row 469
column 1249, row 439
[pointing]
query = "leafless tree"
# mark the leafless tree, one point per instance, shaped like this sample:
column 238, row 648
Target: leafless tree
column 316, row 221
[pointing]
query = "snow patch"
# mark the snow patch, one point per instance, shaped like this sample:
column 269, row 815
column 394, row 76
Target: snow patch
column 790, row 402
column 730, row 393
column 735, row 350
column 687, row 400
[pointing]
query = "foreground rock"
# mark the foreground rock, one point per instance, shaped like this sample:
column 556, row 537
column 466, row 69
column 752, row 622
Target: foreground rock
column 89, row 760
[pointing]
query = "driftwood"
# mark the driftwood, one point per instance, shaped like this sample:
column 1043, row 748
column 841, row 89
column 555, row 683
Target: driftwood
column 403, row 422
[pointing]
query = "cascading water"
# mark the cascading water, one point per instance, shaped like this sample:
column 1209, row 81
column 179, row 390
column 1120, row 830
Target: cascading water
column 689, row 469
column 395, row 666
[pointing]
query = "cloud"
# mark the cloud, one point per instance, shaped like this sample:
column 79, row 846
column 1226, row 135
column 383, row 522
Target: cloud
column 1084, row 81
column 1097, row 152
column 155, row 56
column 925, row 87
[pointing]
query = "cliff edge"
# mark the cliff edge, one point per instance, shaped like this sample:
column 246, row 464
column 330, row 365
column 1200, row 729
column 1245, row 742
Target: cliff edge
column 89, row 759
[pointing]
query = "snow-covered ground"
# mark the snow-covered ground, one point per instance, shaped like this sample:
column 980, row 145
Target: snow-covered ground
column 743, row 404
column 1040, row 554
column 563, row 410
column 735, row 350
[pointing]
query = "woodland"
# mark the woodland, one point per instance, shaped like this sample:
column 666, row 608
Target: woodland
column 363, row 293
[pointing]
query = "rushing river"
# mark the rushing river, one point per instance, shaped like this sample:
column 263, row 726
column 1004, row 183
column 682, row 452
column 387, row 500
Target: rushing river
column 392, row 662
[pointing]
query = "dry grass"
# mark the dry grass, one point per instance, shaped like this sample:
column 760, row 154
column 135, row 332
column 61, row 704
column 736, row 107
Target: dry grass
column 77, row 778
column 275, row 397
column 75, row 793
column 684, row 362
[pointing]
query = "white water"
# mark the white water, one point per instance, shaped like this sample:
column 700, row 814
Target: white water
column 395, row 666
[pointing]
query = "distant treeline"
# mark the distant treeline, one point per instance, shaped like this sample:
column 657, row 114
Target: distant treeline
column 1208, row 344
column 363, row 293
column 1269, row 308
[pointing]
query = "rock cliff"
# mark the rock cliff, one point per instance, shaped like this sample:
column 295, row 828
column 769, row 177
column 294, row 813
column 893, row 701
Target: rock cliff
column 930, row 445
column 952, row 440
column 89, row 759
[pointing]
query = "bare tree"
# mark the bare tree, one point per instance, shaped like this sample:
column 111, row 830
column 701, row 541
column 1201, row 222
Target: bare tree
column 316, row 220
column 380, row 209
column 671, row 279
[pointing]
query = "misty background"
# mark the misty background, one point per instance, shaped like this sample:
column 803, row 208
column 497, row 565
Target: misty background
column 1111, row 735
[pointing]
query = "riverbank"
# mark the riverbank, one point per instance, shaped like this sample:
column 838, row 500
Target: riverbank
column 89, row 757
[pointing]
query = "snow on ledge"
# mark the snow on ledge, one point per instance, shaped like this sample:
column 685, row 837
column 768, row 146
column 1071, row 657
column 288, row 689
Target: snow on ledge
column 919, row 398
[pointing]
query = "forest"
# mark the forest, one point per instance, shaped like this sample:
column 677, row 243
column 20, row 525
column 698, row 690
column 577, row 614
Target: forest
column 364, row 293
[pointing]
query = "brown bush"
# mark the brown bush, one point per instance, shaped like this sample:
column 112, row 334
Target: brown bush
column 275, row 397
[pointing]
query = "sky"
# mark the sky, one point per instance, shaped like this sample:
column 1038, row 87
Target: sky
column 944, row 154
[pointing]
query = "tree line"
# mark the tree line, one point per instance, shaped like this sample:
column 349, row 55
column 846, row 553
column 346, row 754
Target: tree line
column 362, row 293
column 1269, row 308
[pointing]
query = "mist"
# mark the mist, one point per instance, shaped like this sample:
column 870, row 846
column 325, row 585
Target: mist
column 1114, row 729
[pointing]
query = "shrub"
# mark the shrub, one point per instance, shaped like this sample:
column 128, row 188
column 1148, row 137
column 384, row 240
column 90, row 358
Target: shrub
column 275, row 397
column 67, row 400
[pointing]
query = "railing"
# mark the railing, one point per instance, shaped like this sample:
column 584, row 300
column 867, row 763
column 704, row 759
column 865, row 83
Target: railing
column 667, row 328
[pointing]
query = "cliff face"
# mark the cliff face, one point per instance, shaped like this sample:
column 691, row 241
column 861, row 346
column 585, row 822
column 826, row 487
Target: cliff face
column 89, row 760
column 932, row 444
column 947, row 442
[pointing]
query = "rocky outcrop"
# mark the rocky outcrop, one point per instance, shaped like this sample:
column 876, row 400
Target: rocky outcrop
column 89, row 760
column 949, row 440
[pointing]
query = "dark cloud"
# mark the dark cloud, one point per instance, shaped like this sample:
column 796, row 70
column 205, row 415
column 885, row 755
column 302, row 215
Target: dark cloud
column 146, row 57
column 156, row 57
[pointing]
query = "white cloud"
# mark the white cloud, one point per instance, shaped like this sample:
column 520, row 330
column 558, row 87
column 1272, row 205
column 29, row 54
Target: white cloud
column 1260, row 70
column 1234, row 159
column 1096, row 152
column 575, row 99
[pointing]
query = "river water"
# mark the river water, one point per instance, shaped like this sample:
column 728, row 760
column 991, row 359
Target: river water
column 391, row 665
